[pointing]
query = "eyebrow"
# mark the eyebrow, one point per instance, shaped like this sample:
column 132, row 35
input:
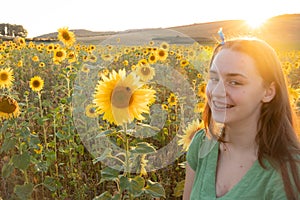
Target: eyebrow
column 229, row 74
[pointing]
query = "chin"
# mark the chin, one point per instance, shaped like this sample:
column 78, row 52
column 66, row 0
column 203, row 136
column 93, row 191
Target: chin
column 219, row 118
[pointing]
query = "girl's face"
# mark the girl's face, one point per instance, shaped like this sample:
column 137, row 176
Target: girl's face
column 234, row 90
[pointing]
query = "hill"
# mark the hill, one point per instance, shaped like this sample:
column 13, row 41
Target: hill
column 280, row 31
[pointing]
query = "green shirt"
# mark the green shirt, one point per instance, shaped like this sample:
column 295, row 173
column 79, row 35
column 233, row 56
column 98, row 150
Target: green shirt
column 257, row 184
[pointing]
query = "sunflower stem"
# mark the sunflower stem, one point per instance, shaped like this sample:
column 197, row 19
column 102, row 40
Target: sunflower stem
column 127, row 167
column 42, row 116
column 71, row 140
column 55, row 147
column 26, row 176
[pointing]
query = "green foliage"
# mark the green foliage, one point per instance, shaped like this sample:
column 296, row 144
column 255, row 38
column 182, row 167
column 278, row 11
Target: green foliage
column 42, row 153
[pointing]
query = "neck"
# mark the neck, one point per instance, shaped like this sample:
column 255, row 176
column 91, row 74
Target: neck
column 241, row 138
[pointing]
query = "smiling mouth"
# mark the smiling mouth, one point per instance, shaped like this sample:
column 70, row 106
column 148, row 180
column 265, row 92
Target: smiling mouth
column 221, row 106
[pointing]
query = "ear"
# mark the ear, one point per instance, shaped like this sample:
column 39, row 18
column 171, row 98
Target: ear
column 270, row 93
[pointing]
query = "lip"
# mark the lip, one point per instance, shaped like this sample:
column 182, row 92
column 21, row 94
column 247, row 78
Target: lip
column 221, row 106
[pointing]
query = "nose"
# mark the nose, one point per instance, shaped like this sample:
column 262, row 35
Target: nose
column 219, row 89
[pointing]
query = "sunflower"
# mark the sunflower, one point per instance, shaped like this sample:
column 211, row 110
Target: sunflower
column 165, row 46
column 85, row 68
column 92, row 58
column 151, row 43
column 152, row 58
column 184, row 63
column 199, row 107
column 106, row 57
column 6, row 77
column 172, row 100
column 145, row 72
column 65, row 36
column 35, row 59
column 90, row 111
column 39, row 149
column 9, row 108
column 142, row 62
column 20, row 63
column 42, row 64
column 36, row 83
column 162, row 54
column 201, row 90
column 121, row 99
column 189, row 133
column 59, row 55
column 21, row 41
column 294, row 94
column 164, row 107
column 91, row 48
column 50, row 47
column 71, row 56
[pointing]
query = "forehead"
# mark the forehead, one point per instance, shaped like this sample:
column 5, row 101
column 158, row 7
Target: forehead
column 229, row 61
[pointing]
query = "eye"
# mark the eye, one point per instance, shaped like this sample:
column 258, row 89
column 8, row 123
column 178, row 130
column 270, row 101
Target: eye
column 234, row 83
column 214, row 79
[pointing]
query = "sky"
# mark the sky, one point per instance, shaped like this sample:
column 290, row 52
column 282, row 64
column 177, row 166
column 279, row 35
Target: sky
column 40, row 17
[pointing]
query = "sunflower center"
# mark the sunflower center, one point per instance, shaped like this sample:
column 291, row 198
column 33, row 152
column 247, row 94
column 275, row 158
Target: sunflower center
column 161, row 53
column 3, row 76
column 6, row 106
column 152, row 57
column 172, row 99
column 59, row 54
column 92, row 110
column 36, row 83
column 121, row 97
column 145, row 71
column 66, row 36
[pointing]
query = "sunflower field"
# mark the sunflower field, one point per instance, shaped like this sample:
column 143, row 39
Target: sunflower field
column 106, row 121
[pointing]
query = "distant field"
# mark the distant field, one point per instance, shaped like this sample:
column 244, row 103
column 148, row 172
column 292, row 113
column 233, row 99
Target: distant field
column 280, row 31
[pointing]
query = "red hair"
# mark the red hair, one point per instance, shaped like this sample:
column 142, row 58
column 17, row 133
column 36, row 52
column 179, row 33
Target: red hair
column 276, row 135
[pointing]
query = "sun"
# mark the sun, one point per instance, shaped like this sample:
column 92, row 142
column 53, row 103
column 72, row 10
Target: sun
column 256, row 22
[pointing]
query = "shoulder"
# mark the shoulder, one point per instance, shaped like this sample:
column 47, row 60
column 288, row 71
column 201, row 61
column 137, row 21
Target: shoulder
column 199, row 136
column 192, row 153
column 199, row 148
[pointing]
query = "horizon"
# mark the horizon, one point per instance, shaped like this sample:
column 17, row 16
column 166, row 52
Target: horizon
column 120, row 16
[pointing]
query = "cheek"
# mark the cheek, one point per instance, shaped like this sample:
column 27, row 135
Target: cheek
column 208, row 91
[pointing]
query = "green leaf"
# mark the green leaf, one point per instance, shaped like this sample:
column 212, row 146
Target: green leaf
column 117, row 196
column 8, row 144
column 41, row 121
column 104, row 133
column 104, row 196
column 104, row 155
column 51, row 156
column 178, row 191
column 4, row 127
column 134, row 185
column 80, row 149
column 143, row 147
column 42, row 166
column 51, row 183
column 21, row 161
column 155, row 189
column 109, row 174
column 24, row 191
column 62, row 136
column 149, row 126
column 124, row 183
column 7, row 169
